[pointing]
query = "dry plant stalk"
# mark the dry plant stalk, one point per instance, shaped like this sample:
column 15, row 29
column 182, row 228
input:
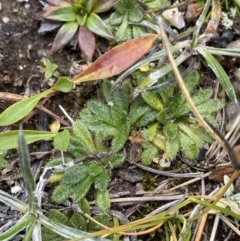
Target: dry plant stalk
column 201, row 121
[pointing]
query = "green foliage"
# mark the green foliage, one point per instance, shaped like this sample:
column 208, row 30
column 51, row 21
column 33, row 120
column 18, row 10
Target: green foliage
column 103, row 201
column 84, row 205
column 75, row 16
column 19, row 110
column 180, row 131
column 150, row 152
column 50, row 69
column 77, row 221
column 61, row 140
column 3, row 161
column 114, row 118
column 104, row 219
column 78, row 179
column 126, row 22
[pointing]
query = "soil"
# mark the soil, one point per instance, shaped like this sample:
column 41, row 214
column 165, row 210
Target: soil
column 22, row 50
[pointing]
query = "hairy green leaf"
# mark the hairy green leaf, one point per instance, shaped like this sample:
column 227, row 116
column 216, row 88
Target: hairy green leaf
column 189, row 148
column 159, row 140
column 150, row 132
column 170, row 131
column 119, row 141
column 121, row 97
column 61, row 140
column 79, row 221
column 94, row 169
column 119, row 118
column 194, row 137
column 172, row 148
column 121, row 31
column 148, row 154
column 101, row 181
column 84, row 136
column 116, row 160
column 99, row 141
column 81, row 189
column 101, row 111
column 84, row 205
column 103, row 201
column 209, row 107
column 75, row 174
column 57, row 216
column 152, row 100
column 136, row 112
column 191, row 79
column 202, row 96
column 135, row 14
column 106, row 90
column 61, row 193
column 203, row 134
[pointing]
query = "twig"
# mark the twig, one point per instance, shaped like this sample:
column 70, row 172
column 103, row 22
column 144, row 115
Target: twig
column 170, row 174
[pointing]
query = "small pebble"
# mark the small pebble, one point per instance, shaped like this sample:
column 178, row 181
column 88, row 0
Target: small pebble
column 164, row 163
column 174, row 17
column 27, row 6
column 16, row 189
column 139, row 187
column 5, row 19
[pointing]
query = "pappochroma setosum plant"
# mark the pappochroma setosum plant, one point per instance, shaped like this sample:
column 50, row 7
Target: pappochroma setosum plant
column 103, row 127
column 174, row 128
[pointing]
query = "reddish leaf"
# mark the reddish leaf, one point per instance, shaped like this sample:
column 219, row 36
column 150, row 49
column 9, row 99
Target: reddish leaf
column 87, row 42
column 64, row 35
column 117, row 59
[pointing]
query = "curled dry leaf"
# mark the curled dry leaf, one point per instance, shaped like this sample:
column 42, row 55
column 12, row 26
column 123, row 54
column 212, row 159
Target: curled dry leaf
column 116, row 60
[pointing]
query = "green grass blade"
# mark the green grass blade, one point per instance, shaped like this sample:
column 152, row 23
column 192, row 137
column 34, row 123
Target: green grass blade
column 18, row 227
column 149, row 58
column 27, row 173
column 13, row 202
column 219, row 72
column 199, row 23
column 65, row 231
column 220, row 51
